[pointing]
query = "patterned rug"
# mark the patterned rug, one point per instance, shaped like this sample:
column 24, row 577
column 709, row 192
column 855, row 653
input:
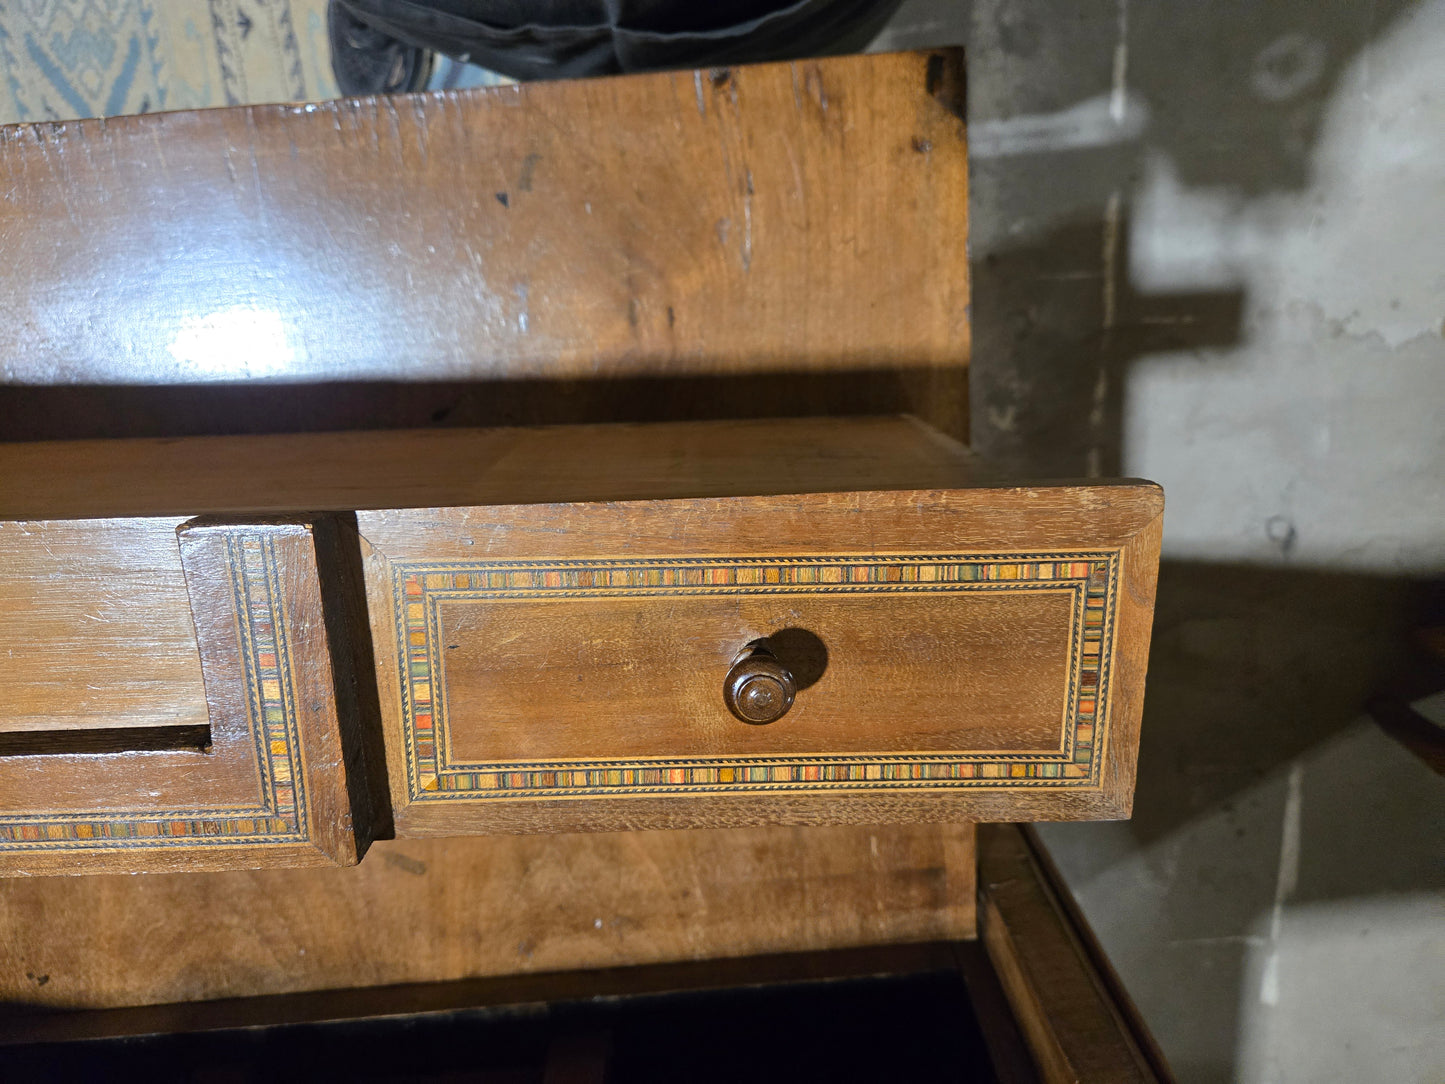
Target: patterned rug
column 88, row 58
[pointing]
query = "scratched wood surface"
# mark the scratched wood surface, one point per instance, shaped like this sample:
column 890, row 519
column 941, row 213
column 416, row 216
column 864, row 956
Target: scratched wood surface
column 434, row 910
column 600, row 678
column 773, row 240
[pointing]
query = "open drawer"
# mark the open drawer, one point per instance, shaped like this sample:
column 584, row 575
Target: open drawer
column 817, row 658
column 710, row 624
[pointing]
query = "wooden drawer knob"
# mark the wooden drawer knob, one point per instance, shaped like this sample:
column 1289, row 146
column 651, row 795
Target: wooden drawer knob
column 759, row 689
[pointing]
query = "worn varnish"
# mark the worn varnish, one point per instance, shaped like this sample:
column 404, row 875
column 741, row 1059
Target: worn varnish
column 98, row 634
column 773, row 240
column 560, row 678
column 434, row 910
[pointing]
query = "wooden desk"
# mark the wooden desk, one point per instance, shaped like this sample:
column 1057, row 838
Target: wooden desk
column 765, row 243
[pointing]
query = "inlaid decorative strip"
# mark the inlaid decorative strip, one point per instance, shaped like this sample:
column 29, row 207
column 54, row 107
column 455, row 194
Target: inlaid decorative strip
column 420, row 587
column 265, row 653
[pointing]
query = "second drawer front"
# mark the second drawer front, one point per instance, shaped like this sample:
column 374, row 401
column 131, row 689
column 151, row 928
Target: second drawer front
column 570, row 692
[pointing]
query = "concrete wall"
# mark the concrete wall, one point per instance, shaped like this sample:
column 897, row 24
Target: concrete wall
column 1208, row 244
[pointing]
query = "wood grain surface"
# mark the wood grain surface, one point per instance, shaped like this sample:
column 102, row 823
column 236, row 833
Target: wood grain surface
column 436, row 910
column 624, row 677
column 1075, row 1025
column 563, row 663
column 774, row 240
column 96, row 630
column 286, row 473
column 276, row 784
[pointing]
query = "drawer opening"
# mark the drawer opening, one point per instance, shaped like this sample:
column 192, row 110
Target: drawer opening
column 118, row 739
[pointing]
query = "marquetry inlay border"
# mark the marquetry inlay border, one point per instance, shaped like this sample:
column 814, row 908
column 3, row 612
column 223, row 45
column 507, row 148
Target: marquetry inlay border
column 421, row 587
column 280, row 817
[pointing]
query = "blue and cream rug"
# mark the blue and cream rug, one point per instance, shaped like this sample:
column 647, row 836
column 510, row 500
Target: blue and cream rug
column 88, row 58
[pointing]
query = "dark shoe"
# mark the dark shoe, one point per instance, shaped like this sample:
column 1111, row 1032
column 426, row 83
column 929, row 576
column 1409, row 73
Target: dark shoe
column 367, row 61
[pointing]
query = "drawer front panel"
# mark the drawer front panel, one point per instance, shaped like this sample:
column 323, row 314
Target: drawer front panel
column 521, row 680
column 569, row 691
column 249, row 794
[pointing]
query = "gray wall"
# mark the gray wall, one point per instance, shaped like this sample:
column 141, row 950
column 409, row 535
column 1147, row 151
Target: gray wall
column 1208, row 247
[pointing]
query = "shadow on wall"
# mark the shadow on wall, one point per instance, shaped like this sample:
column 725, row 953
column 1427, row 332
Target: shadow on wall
column 1068, row 313
column 1206, row 250
column 1250, row 668
column 1233, row 99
